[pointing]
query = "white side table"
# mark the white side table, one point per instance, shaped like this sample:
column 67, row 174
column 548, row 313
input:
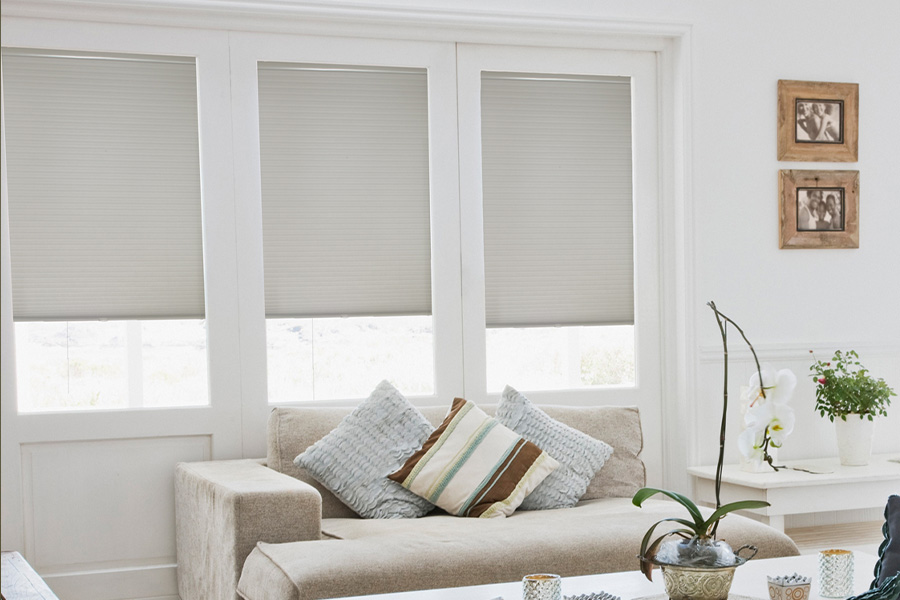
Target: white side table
column 795, row 492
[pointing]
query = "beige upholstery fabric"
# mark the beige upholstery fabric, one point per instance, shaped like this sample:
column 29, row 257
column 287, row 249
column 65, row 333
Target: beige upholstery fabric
column 293, row 430
column 596, row 536
column 222, row 509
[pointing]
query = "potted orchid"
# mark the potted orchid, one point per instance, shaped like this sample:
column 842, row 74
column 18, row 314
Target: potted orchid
column 696, row 565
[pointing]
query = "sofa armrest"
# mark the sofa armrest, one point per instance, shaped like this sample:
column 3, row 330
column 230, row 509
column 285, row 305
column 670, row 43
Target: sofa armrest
column 223, row 508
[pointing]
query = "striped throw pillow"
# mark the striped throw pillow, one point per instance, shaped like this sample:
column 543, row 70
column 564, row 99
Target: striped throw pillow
column 472, row 466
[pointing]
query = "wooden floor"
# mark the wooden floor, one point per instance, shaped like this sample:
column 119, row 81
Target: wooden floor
column 859, row 537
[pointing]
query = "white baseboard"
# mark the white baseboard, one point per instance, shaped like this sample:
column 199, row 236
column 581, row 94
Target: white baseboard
column 145, row 583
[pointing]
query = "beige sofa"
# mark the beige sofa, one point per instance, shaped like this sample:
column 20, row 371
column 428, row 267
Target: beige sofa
column 259, row 531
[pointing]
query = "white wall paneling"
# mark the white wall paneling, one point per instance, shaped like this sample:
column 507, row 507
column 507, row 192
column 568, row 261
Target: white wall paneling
column 80, row 497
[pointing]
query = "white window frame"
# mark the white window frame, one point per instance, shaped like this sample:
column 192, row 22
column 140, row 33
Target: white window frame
column 439, row 58
column 641, row 68
column 216, row 425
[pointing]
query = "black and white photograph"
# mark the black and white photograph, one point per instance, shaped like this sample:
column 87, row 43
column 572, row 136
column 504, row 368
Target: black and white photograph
column 820, row 209
column 819, row 121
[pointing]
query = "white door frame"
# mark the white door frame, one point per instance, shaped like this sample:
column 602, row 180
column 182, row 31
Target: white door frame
column 641, row 69
column 202, row 432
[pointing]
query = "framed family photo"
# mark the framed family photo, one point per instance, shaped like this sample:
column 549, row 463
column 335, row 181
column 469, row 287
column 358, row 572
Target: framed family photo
column 819, row 209
column 818, row 121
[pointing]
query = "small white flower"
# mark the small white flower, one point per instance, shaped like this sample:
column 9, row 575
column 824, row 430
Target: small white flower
column 778, row 385
column 777, row 418
column 750, row 444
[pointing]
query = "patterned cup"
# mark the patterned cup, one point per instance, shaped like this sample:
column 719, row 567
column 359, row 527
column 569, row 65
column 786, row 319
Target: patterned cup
column 835, row 573
column 788, row 591
column 541, row 586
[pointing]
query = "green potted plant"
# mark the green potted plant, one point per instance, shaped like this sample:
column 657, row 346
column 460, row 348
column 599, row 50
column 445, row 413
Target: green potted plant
column 690, row 552
column 851, row 398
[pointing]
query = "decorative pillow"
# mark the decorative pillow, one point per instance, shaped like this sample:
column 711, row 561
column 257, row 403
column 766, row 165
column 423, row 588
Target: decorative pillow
column 889, row 552
column 579, row 455
column 472, row 466
column 354, row 460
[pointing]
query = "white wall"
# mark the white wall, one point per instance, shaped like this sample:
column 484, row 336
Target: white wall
column 788, row 301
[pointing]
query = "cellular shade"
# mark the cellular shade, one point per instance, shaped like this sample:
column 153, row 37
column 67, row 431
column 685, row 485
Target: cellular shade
column 345, row 192
column 104, row 186
column 558, row 219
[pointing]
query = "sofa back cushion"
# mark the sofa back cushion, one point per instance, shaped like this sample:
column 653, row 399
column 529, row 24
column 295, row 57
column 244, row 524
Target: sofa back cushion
column 292, row 430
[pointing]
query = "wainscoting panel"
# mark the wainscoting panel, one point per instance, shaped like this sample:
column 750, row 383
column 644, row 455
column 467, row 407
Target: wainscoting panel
column 151, row 583
column 103, row 505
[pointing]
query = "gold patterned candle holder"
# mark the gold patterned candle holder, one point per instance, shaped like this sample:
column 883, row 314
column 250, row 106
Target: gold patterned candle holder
column 542, row 586
column 835, row 573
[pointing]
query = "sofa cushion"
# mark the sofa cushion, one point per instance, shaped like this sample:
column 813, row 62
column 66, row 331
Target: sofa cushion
column 579, row 455
column 354, row 459
column 889, row 551
column 292, row 430
column 473, row 466
column 598, row 536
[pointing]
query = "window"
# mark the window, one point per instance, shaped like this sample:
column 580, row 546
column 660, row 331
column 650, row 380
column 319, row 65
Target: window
column 558, row 230
column 105, row 232
column 346, row 230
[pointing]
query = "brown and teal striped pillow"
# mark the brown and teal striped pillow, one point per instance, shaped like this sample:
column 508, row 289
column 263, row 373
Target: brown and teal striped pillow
column 472, row 466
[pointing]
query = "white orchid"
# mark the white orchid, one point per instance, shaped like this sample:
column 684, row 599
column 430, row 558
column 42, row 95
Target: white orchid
column 778, row 385
column 772, row 418
column 768, row 419
column 750, row 444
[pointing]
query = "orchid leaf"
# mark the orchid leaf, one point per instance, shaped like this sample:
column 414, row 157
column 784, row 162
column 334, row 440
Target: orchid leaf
column 642, row 494
column 646, row 565
column 727, row 508
column 685, row 522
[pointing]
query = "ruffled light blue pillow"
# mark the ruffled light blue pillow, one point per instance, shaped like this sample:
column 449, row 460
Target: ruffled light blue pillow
column 579, row 455
column 355, row 458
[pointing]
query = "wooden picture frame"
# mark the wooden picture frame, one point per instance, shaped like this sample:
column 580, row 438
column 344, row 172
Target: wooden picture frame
column 819, row 209
column 818, row 121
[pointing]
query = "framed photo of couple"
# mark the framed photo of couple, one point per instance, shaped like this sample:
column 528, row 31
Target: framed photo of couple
column 818, row 121
column 819, row 209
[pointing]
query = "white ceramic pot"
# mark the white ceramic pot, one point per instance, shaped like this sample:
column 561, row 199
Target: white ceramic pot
column 854, row 439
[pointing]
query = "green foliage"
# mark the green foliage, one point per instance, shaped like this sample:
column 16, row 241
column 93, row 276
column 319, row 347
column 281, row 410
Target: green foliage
column 696, row 527
column 844, row 387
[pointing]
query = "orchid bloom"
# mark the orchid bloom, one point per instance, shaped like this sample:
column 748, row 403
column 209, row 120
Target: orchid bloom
column 750, row 444
column 778, row 386
column 777, row 418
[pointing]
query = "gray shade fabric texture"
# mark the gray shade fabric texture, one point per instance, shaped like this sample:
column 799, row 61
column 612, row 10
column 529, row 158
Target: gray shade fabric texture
column 292, row 430
column 596, row 536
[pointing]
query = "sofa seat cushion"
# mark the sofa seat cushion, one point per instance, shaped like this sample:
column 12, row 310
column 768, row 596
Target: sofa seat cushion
column 371, row 556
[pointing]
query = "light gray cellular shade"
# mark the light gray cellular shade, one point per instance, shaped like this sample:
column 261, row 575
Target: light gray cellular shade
column 345, row 196
column 557, row 201
column 104, row 186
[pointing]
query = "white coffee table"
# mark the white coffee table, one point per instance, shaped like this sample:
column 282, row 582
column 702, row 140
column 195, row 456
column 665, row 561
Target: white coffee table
column 749, row 580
